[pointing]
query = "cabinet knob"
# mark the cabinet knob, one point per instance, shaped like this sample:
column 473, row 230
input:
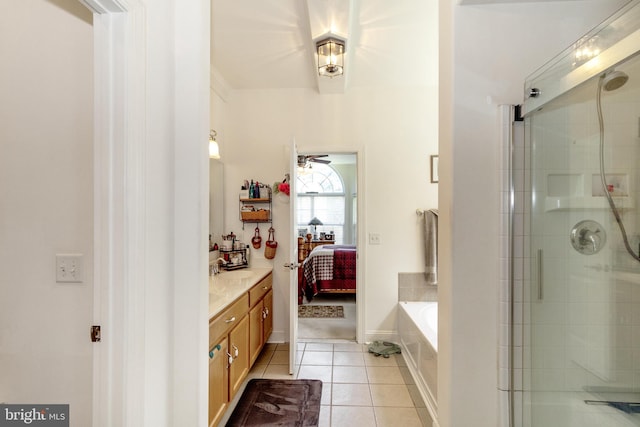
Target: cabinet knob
column 230, row 358
column 233, row 319
column 235, row 351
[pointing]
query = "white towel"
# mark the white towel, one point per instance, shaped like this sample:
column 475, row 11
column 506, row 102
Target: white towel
column 431, row 245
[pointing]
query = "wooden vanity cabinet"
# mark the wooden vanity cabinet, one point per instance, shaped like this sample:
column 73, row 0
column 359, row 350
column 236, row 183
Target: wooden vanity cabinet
column 218, row 380
column 236, row 337
column 260, row 316
column 267, row 326
column 228, row 356
column 239, row 349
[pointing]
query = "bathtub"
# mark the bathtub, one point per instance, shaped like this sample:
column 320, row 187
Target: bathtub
column 418, row 333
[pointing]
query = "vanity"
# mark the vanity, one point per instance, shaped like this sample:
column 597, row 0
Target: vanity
column 240, row 323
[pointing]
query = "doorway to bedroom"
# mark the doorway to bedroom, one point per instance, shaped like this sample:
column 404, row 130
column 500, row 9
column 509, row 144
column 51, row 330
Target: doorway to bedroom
column 326, row 218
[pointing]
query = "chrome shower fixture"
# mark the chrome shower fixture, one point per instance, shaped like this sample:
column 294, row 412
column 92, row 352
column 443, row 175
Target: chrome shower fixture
column 614, row 80
column 611, row 81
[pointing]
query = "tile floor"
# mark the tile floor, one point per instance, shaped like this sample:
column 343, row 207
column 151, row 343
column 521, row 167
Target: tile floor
column 358, row 389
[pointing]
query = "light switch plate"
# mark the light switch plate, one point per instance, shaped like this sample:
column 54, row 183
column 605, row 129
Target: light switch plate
column 69, row 268
column 374, row 238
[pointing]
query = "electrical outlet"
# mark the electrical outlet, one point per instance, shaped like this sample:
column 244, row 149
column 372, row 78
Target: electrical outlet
column 374, row 238
column 69, row 268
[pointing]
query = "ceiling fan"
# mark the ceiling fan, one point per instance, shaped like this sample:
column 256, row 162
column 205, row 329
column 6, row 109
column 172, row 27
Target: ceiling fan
column 304, row 161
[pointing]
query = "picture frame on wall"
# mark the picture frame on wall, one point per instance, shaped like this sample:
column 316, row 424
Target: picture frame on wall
column 434, row 169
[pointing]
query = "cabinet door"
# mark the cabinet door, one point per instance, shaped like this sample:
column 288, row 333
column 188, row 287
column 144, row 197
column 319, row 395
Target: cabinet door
column 267, row 324
column 255, row 332
column 218, row 381
column 239, row 349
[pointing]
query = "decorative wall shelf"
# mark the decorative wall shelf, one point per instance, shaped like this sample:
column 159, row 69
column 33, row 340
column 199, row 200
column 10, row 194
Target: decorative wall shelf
column 255, row 210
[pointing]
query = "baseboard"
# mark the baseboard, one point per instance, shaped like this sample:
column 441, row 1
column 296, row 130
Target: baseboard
column 391, row 336
column 278, row 337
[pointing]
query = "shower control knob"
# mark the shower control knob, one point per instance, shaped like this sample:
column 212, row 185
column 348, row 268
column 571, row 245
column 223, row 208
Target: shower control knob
column 588, row 237
column 534, row 92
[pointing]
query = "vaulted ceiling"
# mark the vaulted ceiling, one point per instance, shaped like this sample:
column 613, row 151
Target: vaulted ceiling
column 270, row 44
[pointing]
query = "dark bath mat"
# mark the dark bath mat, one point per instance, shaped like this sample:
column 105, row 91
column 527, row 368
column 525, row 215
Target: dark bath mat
column 278, row 403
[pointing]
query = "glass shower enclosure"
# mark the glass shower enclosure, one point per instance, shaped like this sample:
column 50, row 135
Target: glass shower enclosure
column 581, row 302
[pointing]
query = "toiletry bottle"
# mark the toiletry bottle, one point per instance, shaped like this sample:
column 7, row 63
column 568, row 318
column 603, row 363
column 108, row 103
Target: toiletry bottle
column 247, row 255
column 252, row 190
column 256, row 191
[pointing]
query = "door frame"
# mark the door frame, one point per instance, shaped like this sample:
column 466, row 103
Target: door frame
column 359, row 152
column 150, row 367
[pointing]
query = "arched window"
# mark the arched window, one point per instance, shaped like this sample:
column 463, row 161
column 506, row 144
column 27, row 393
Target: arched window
column 321, row 194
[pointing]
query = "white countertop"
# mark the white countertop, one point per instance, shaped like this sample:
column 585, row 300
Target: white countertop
column 226, row 287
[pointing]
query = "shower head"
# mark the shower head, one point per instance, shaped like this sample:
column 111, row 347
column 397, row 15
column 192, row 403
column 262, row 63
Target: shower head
column 614, row 80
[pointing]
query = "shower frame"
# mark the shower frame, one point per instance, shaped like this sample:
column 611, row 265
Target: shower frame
column 621, row 35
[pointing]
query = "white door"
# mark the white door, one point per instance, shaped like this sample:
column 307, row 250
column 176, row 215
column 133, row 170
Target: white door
column 293, row 260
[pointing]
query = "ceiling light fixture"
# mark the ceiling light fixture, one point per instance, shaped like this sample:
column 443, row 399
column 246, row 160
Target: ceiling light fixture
column 330, row 56
column 214, row 150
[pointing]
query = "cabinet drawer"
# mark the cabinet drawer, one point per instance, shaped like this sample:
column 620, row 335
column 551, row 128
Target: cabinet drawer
column 228, row 318
column 260, row 290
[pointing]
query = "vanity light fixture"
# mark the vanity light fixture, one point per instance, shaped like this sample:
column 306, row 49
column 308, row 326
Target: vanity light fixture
column 330, row 56
column 214, row 150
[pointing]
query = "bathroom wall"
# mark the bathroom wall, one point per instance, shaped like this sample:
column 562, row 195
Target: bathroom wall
column 414, row 287
column 46, row 203
column 493, row 48
column 395, row 130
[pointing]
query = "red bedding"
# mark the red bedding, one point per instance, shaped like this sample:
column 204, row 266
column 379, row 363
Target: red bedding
column 329, row 268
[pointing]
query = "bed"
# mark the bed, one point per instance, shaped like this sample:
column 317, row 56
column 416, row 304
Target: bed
column 328, row 269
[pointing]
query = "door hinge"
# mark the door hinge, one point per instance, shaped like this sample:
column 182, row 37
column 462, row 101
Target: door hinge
column 95, row 333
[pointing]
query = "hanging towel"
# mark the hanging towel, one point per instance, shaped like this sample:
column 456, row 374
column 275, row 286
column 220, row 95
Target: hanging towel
column 431, row 245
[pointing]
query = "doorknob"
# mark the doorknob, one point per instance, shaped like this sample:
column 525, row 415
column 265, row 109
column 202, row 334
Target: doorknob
column 292, row 265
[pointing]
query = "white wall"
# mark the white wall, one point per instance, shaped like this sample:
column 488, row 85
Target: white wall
column 494, row 47
column 46, row 203
column 397, row 131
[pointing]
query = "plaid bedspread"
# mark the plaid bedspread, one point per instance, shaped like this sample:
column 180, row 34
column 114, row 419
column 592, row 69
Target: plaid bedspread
column 325, row 263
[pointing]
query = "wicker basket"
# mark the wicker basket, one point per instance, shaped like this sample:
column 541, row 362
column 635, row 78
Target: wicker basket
column 271, row 245
column 260, row 215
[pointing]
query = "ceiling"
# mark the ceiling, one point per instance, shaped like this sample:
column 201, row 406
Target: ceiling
column 269, row 44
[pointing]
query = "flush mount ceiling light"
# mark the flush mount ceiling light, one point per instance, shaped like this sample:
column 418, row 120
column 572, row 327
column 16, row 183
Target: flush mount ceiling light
column 214, row 150
column 330, row 56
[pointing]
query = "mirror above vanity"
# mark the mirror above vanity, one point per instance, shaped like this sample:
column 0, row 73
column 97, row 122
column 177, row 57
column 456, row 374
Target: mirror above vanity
column 216, row 200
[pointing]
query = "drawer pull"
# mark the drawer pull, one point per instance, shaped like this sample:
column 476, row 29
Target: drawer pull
column 265, row 287
column 233, row 319
column 211, row 354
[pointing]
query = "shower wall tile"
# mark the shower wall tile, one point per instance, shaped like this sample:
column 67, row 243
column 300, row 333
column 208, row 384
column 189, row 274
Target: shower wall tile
column 414, row 287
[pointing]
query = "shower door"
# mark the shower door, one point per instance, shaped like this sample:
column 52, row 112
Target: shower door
column 581, row 311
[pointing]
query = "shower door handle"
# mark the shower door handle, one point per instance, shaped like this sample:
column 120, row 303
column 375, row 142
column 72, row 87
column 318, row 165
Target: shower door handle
column 540, row 273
